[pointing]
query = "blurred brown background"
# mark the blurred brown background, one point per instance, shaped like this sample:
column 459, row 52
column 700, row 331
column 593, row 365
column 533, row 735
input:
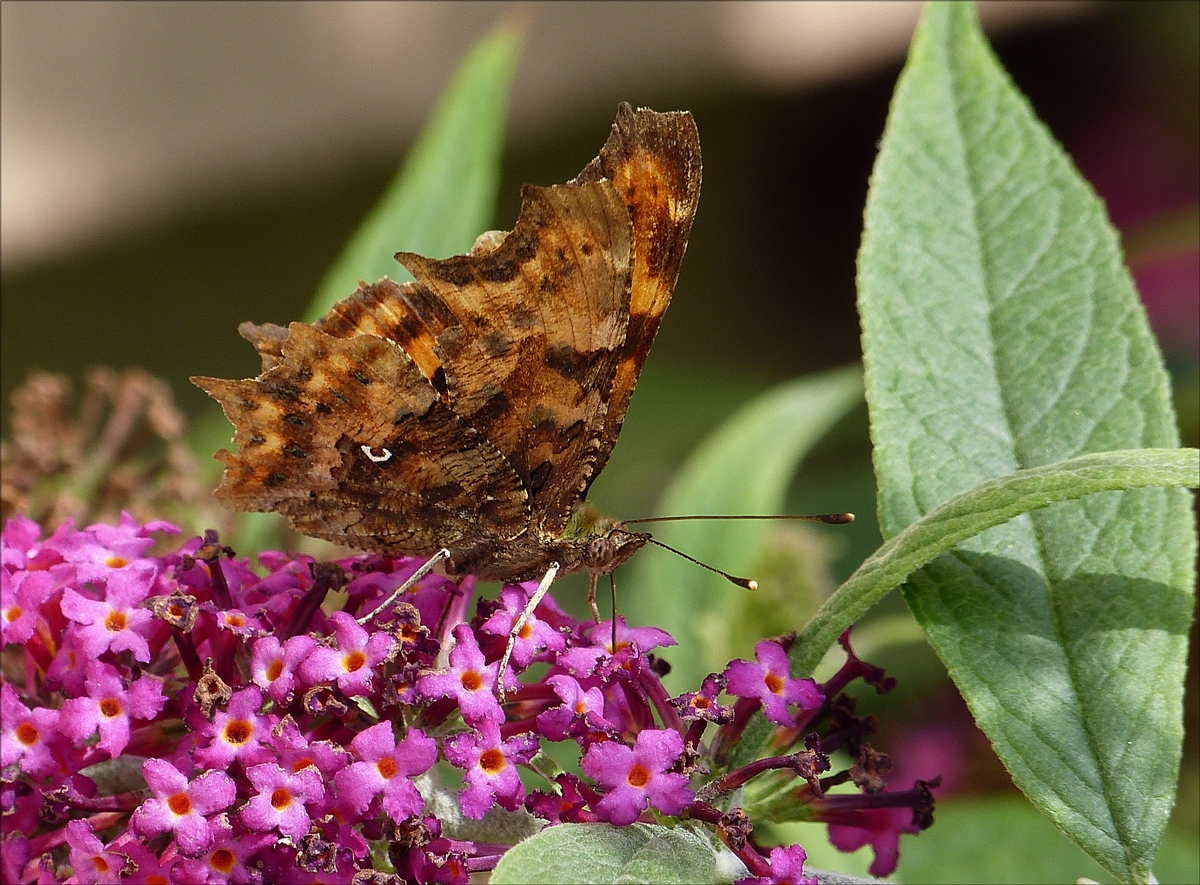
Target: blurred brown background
column 169, row 170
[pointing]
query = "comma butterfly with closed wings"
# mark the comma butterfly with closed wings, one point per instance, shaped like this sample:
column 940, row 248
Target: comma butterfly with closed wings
column 471, row 410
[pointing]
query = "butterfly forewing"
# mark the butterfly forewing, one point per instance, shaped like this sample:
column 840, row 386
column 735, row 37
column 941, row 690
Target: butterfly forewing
column 472, row 408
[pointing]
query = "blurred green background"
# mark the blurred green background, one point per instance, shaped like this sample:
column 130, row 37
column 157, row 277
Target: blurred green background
column 197, row 168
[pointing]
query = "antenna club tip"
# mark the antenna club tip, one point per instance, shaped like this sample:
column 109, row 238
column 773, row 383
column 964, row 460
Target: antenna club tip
column 752, row 585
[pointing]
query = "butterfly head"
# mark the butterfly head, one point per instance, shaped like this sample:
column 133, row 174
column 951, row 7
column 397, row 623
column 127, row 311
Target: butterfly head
column 603, row 543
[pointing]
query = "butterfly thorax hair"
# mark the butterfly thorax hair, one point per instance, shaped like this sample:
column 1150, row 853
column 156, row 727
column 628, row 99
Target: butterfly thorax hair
column 600, row 543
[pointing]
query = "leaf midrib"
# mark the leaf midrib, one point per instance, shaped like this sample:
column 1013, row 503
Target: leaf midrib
column 1019, row 456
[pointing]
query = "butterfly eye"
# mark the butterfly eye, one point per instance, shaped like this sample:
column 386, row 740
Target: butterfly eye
column 599, row 551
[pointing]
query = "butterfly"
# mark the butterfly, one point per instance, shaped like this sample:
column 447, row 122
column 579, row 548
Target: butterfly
column 471, row 410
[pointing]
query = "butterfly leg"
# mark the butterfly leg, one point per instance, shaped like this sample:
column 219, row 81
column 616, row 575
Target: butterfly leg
column 542, row 589
column 409, row 584
column 612, row 585
column 592, row 578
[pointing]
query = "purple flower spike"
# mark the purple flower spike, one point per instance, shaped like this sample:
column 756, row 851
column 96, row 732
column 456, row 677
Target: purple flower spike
column 787, row 866
column 110, row 706
column 470, row 681
column 28, row 735
column 385, row 767
column 770, row 680
column 180, row 806
column 238, row 733
column 20, row 595
column 117, row 622
column 273, row 665
column 535, row 636
column 90, row 860
column 583, row 710
column 491, row 768
column 638, row 777
column 225, row 861
column 351, row 663
column 282, row 799
column 703, row 704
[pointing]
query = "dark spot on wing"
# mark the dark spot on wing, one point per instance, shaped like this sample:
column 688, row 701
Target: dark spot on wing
column 274, row 479
column 494, row 407
column 640, row 325
column 495, row 344
column 439, row 380
column 524, row 244
column 524, row 317
column 324, row 409
column 538, row 477
column 566, row 360
column 445, row 492
column 294, row 451
column 294, row 419
column 362, row 377
column 457, row 270
column 500, row 269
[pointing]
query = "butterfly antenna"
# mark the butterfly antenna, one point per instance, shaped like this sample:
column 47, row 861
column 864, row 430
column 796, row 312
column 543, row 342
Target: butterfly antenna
column 826, row 518
column 741, row 582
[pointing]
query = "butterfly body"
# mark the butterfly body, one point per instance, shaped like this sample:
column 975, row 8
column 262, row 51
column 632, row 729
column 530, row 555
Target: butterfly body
column 472, row 409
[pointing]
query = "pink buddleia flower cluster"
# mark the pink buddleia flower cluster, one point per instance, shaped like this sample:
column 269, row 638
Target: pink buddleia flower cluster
column 191, row 718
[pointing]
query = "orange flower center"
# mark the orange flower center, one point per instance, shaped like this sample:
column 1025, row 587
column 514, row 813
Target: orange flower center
column 471, row 680
column 387, row 768
column 238, row 731
column 180, row 804
column 491, row 761
column 116, row 622
column 222, row 860
column 12, row 613
column 355, row 661
column 27, row 734
column 774, row 683
column 110, row 707
column 281, row 798
column 637, row 777
column 274, row 670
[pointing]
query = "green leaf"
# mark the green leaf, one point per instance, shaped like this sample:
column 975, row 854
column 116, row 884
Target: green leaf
column 1001, row 331
column 604, row 854
column 964, row 847
column 444, row 195
column 744, row 467
column 964, row 516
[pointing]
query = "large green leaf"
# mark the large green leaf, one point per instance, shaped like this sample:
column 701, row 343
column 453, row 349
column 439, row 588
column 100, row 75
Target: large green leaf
column 603, row 854
column 964, row 516
column 744, row 467
column 1001, row 331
